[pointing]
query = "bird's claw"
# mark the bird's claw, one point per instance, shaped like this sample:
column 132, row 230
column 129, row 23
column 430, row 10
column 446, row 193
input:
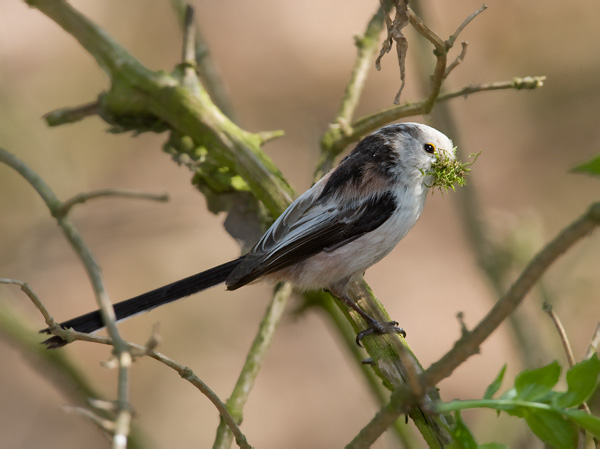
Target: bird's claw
column 390, row 327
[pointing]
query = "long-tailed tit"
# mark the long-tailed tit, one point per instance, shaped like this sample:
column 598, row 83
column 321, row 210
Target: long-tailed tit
column 349, row 220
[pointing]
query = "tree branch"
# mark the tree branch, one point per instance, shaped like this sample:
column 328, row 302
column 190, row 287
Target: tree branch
column 139, row 95
column 123, row 416
column 366, row 46
column 254, row 361
column 137, row 350
column 81, row 198
column 469, row 344
column 370, row 123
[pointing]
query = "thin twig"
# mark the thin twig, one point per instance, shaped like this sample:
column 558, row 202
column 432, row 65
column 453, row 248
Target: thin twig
column 370, row 123
column 123, row 417
column 66, row 206
column 105, row 424
column 185, row 372
column 452, row 39
column 34, row 298
column 571, row 359
column 594, row 343
column 460, row 58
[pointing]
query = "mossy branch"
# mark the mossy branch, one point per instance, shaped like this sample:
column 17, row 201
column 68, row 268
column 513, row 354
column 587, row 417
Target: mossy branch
column 141, row 97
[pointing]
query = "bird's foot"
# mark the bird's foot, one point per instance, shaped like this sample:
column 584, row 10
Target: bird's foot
column 379, row 328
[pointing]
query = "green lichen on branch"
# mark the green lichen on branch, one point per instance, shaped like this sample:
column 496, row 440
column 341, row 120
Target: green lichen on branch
column 447, row 172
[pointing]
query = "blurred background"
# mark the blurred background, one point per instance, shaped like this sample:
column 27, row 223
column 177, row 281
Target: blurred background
column 285, row 65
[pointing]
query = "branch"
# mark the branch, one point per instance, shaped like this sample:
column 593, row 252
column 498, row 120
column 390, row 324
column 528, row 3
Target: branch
column 366, row 46
column 452, row 39
column 123, row 418
column 143, row 97
column 370, row 123
column 385, row 417
column 254, row 361
column 562, row 334
column 470, row 343
column 205, row 65
column 81, row 198
column 138, row 350
column 389, row 353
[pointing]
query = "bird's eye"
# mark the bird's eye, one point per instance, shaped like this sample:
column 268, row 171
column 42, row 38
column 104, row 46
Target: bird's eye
column 429, row 147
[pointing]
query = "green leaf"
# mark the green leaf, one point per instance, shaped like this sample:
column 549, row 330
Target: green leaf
column 582, row 419
column 531, row 385
column 582, row 380
column 492, row 446
column 461, row 435
column 493, row 388
column 550, row 427
column 591, row 167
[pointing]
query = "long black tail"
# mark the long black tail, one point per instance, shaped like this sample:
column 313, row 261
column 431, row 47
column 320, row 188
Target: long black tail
column 92, row 321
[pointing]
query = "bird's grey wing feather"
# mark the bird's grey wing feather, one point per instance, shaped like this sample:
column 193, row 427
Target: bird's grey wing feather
column 307, row 228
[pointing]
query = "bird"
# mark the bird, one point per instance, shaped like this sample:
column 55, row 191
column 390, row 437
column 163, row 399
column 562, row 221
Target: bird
column 346, row 222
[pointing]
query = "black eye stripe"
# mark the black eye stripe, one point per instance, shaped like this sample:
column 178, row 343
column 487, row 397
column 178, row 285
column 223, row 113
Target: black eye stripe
column 429, row 148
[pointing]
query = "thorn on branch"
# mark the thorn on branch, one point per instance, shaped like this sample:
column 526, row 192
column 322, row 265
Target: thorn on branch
column 105, row 424
column 154, row 340
column 71, row 115
column 464, row 331
column 267, row 136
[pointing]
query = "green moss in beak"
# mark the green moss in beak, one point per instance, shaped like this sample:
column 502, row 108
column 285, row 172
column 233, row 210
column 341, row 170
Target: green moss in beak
column 447, row 172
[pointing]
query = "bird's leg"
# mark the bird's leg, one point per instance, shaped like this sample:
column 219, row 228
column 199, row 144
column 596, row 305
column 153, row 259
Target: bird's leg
column 375, row 326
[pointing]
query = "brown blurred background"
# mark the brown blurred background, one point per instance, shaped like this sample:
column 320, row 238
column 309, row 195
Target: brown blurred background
column 285, row 65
